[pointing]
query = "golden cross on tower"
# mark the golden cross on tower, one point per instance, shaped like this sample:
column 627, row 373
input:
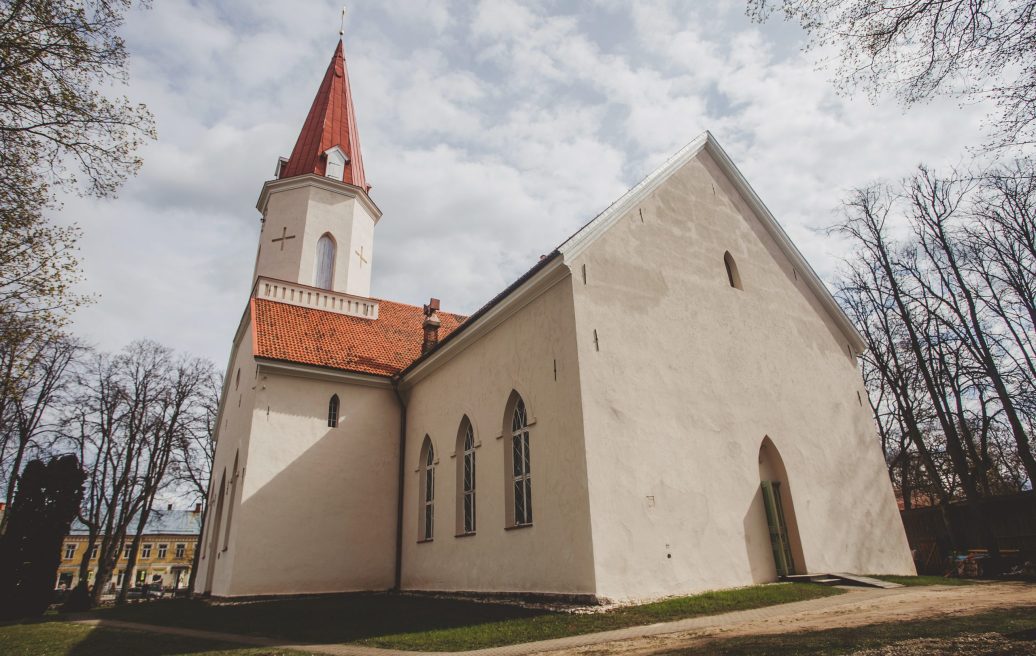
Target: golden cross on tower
column 284, row 237
column 341, row 31
column 362, row 258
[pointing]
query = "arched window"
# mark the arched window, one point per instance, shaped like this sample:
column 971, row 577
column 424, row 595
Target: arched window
column 466, row 476
column 325, row 269
column 733, row 277
column 332, row 412
column 426, row 524
column 519, row 461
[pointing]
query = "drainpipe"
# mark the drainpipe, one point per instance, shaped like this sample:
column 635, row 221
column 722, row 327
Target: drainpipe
column 399, row 495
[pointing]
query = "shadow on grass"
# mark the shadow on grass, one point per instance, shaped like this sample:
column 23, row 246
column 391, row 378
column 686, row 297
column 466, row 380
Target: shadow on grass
column 64, row 639
column 323, row 619
column 435, row 624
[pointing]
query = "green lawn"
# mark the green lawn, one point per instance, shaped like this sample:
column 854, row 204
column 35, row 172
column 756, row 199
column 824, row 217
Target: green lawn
column 430, row 624
column 1010, row 631
column 925, row 580
column 64, row 639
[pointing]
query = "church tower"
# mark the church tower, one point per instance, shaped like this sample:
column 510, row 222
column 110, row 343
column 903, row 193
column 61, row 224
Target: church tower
column 318, row 219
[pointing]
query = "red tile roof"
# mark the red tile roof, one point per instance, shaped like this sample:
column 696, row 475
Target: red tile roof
column 382, row 346
column 331, row 122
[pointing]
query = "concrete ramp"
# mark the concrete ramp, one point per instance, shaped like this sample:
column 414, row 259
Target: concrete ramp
column 841, row 578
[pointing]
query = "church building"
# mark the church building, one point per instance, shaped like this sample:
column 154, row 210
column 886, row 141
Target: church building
column 668, row 402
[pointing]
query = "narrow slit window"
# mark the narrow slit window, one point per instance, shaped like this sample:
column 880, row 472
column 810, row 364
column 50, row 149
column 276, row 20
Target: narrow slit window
column 733, row 277
column 332, row 412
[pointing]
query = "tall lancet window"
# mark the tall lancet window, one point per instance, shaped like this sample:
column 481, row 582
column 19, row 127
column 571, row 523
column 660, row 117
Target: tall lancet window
column 325, row 262
column 426, row 521
column 521, row 465
column 466, row 467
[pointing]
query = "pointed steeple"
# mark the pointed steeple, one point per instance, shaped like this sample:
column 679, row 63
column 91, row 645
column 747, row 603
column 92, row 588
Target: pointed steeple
column 331, row 124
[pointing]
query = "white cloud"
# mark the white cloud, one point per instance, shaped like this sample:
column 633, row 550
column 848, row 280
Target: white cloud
column 490, row 133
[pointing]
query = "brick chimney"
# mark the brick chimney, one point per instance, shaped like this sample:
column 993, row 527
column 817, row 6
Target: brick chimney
column 431, row 326
column 197, row 508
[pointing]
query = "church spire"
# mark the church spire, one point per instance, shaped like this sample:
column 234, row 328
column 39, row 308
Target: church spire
column 329, row 143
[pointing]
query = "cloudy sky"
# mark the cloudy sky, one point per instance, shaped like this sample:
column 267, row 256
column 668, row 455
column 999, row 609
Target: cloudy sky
column 491, row 130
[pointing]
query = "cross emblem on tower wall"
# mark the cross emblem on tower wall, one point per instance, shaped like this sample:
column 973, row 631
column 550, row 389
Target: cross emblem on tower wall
column 283, row 238
column 363, row 260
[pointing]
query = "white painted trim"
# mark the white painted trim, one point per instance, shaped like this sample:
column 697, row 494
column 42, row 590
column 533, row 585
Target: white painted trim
column 316, row 372
column 580, row 241
column 545, row 279
column 589, row 233
column 321, row 182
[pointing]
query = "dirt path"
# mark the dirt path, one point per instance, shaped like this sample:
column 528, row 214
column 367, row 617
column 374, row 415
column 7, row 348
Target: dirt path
column 910, row 604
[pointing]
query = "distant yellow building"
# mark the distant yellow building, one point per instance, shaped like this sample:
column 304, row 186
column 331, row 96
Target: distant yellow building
column 166, row 550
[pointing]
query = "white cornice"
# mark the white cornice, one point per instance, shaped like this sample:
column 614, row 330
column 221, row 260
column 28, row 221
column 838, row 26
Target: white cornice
column 321, row 182
column 530, row 290
column 321, row 373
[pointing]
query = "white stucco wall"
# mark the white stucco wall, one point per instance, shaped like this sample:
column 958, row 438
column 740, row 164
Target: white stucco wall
column 690, row 377
column 318, row 506
column 308, row 212
column 553, row 555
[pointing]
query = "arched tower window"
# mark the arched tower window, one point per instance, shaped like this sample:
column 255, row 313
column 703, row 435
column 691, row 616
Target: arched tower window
column 325, row 268
column 332, row 412
column 518, row 461
column 466, row 476
column 426, row 523
column 733, row 277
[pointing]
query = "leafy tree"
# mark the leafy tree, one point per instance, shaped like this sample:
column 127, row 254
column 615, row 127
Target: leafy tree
column 970, row 49
column 47, row 501
column 60, row 130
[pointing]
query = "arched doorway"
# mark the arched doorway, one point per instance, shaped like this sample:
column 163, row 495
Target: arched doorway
column 780, row 512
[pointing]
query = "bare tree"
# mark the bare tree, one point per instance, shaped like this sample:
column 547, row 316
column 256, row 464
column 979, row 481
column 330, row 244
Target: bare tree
column 194, row 455
column 33, row 377
column 970, row 49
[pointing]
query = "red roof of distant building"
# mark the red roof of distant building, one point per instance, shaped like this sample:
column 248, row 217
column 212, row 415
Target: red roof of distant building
column 331, row 122
column 382, row 346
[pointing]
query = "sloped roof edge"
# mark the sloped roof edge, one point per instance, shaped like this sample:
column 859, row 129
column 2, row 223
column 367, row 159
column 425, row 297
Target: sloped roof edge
column 589, row 233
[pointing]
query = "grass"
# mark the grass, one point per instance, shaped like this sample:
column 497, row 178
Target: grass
column 430, row 624
column 912, row 581
column 1018, row 625
column 64, row 639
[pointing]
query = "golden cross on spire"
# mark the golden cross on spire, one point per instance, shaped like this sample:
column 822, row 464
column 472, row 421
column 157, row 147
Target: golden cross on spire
column 341, row 31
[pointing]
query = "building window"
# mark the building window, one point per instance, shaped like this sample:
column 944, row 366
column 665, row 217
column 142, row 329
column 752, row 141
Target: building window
column 145, row 553
column 162, row 550
column 733, row 277
column 325, row 262
column 181, row 549
column 70, row 551
column 334, row 165
column 332, row 412
column 126, row 551
column 466, row 465
column 427, row 517
column 520, row 465
column 93, row 552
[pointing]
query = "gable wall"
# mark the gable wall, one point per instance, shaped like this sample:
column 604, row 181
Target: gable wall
column 553, row 555
column 690, row 376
